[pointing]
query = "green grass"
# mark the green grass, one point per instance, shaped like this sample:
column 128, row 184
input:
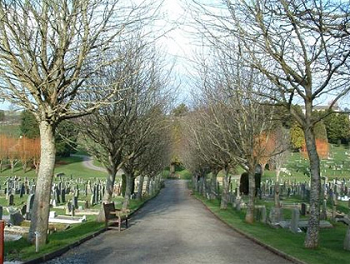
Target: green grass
column 70, row 166
column 22, row 250
column 297, row 165
column 331, row 242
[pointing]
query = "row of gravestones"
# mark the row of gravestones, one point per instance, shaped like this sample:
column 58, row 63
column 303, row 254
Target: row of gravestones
column 15, row 185
column 330, row 189
column 59, row 194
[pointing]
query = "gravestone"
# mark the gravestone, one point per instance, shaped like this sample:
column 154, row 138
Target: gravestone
column 68, row 207
column 32, row 189
column 30, row 201
column 92, row 200
column 24, row 210
column 63, row 195
column 22, row 190
column 347, row 238
column 75, row 202
column 323, row 215
column 57, row 195
column 72, row 210
column 294, row 224
column 276, row 215
column 303, row 209
column 260, row 214
column 11, row 200
column 16, row 217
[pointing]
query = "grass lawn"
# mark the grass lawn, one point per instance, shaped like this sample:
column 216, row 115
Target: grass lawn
column 331, row 240
column 337, row 166
column 70, row 166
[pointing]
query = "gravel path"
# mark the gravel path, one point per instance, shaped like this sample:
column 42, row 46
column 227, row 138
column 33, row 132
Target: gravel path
column 88, row 163
column 172, row 228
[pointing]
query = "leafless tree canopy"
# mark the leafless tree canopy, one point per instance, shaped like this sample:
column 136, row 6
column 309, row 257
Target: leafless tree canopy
column 50, row 48
column 301, row 48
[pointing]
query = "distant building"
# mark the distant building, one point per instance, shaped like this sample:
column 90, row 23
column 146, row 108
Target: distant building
column 318, row 108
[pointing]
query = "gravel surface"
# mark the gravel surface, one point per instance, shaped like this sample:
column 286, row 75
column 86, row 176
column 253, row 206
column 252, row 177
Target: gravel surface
column 172, row 228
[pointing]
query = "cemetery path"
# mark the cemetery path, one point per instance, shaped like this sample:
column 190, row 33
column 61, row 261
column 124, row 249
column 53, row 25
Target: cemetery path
column 172, row 228
column 88, row 163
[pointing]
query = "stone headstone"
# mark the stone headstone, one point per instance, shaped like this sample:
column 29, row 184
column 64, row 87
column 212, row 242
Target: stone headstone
column 30, row 202
column 75, row 202
column 323, row 215
column 92, row 200
column 16, row 218
column 57, row 195
column 24, row 210
column 303, row 209
column 276, row 215
column 347, row 239
column 32, row 189
column 22, row 190
column 63, row 195
column 68, row 207
column 11, row 200
column 52, row 214
column 294, row 224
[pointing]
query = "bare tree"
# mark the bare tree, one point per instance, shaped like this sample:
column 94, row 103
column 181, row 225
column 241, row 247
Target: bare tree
column 105, row 131
column 116, row 133
column 302, row 48
column 48, row 49
column 237, row 116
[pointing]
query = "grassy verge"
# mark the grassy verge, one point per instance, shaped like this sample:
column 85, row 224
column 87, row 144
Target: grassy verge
column 331, row 240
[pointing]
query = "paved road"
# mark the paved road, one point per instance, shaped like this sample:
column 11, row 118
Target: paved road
column 172, row 228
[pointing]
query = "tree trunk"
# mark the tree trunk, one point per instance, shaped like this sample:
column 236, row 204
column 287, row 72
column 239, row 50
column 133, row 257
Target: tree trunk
column 40, row 213
column 277, row 188
column 128, row 191
column 139, row 191
column 148, row 182
column 213, row 194
column 249, row 218
column 132, row 187
column 172, row 170
column 312, row 234
column 123, row 184
column 12, row 164
column 110, row 184
column 24, row 167
column 225, row 189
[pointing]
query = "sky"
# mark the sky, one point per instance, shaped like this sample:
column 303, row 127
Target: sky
column 178, row 46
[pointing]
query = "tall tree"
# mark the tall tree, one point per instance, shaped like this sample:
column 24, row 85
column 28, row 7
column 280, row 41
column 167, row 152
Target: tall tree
column 48, row 51
column 302, row 48
column 114, row 129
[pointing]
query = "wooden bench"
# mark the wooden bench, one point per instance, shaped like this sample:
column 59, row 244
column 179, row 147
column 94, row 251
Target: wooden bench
column 113, row 215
